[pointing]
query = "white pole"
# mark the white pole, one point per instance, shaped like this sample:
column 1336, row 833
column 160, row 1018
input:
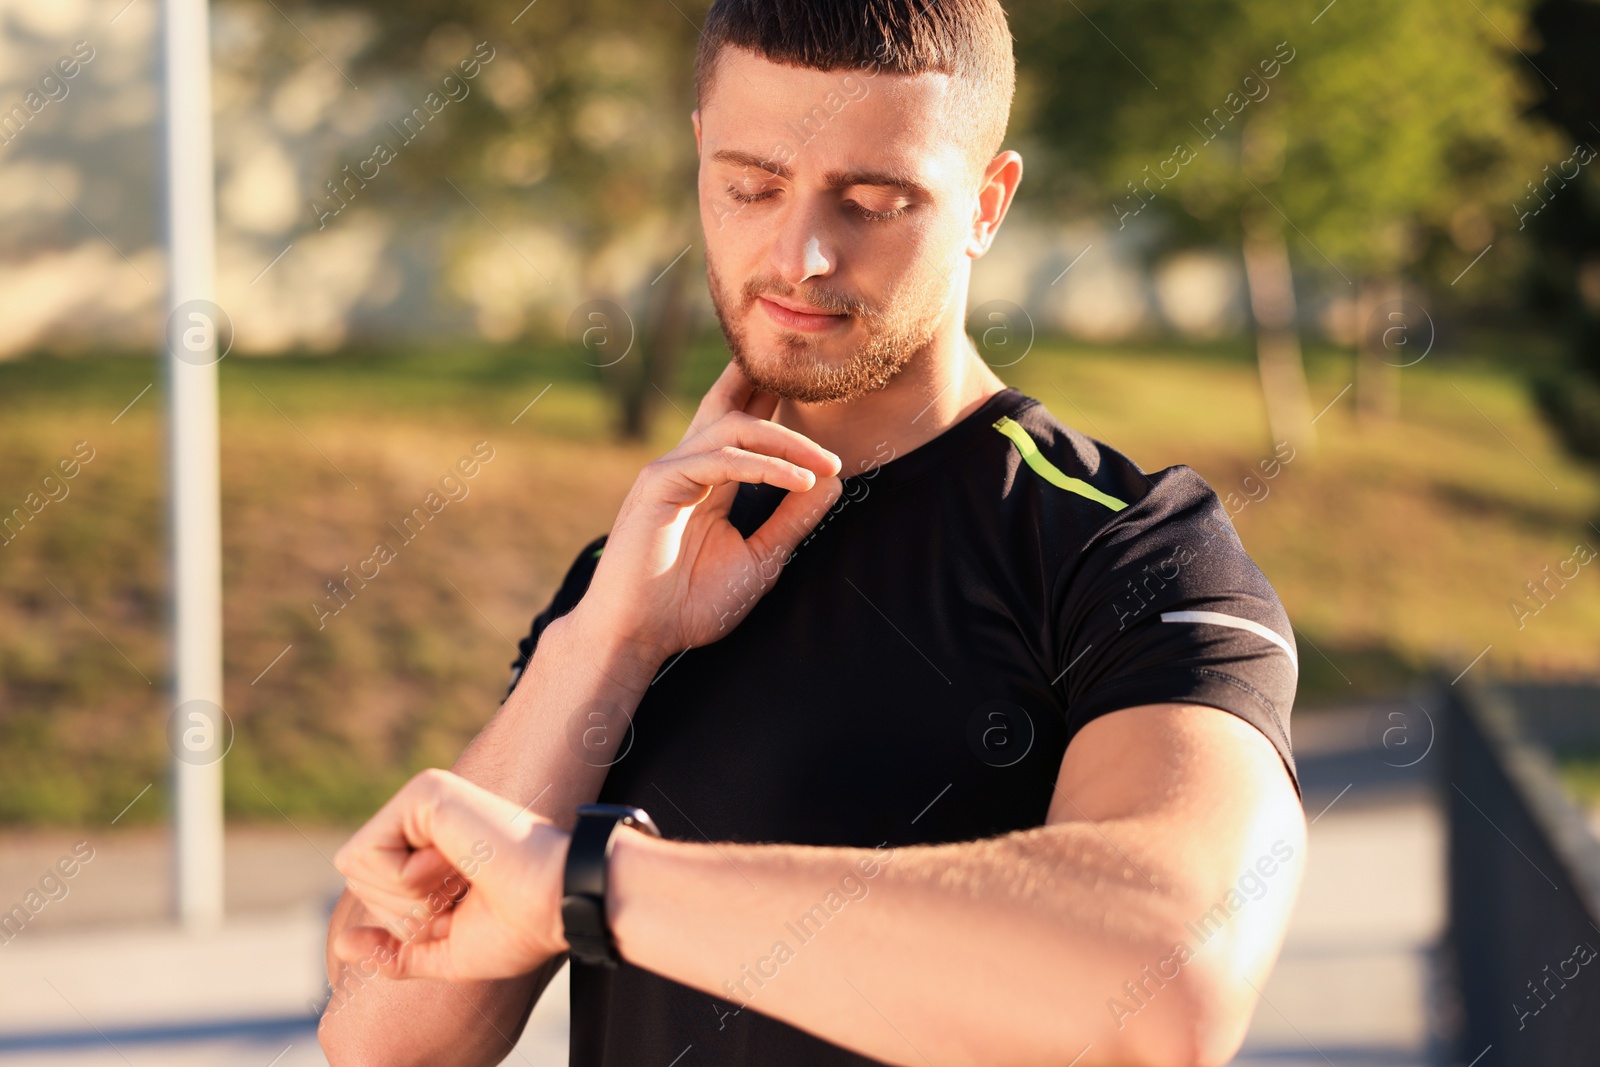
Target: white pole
column 198, row 728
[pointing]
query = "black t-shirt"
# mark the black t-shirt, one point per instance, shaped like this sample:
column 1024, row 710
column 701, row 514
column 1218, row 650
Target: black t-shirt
column 916, row 672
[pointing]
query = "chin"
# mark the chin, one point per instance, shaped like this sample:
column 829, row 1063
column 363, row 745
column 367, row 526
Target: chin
column 804, row 377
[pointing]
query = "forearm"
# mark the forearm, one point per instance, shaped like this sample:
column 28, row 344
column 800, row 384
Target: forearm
column 542, row 749
column 993, row 952
column 552, row 741
column 373, row 1020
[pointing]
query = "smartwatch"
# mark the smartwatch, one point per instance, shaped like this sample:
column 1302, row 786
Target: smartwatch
column 583, row 888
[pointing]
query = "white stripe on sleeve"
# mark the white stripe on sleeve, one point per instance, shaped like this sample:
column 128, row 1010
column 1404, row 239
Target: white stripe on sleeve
column 1217, row 618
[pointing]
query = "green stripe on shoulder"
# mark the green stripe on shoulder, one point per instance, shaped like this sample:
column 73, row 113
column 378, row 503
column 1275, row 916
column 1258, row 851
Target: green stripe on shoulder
column 1049, row 471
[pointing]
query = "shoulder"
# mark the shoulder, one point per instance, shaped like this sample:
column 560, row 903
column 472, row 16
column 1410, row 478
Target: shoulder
column 1071, row 461
column 1127, row 548
column 1086, row 503
column 1159, row 602
column 1081, row 490
column 1098, row 482
column 1100, row 524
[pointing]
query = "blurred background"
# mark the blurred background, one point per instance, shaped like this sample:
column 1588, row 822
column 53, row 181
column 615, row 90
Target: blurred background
column 1370, row 229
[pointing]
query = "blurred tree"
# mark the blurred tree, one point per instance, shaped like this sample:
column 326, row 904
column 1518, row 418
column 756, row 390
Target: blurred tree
column 1566, row 221
column 580, row 122
column 1379, row 140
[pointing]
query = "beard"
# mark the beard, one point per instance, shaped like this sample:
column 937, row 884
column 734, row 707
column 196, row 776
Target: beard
column 798, row 370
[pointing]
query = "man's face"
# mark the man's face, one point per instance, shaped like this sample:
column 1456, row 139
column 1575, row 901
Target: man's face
column 838, row 193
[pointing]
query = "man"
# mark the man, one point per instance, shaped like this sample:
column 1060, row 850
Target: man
column 967, row 739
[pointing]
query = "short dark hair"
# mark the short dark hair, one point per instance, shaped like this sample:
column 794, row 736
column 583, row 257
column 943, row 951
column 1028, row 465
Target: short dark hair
column 966, row 39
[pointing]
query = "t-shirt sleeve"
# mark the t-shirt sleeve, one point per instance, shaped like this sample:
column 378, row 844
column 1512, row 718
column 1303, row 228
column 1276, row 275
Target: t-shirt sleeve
column 572, row 588
column 1164, row 605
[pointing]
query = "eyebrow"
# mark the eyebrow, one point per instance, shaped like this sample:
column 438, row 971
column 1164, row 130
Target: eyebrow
column 833, row 179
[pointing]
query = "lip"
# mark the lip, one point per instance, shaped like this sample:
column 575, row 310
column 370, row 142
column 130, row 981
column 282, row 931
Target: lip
column 789, row 317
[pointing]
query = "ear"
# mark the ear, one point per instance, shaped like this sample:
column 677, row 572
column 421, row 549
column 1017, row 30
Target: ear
column 695, row 116
column 996, row 189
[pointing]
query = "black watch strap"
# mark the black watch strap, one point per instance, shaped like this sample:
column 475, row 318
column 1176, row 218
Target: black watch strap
column 583, row 890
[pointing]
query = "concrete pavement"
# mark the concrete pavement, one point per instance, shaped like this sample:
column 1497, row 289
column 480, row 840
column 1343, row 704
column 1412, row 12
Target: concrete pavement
column 1358, row 983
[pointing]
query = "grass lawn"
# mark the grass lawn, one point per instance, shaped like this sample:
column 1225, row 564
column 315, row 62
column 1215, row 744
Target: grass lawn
column 1580, row 774
column 1396, row 547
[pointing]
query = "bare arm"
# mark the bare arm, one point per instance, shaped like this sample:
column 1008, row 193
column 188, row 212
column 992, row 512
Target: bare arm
column 1132, row 929
column 1095, row 939
column 524, row 755
column 660, row 586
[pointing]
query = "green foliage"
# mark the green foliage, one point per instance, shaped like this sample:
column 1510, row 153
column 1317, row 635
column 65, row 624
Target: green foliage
column 1391, row 141
column 582, row 116
column 1579, row 769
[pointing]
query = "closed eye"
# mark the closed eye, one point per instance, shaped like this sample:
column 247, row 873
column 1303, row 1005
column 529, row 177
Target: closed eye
column 750, row 198
column 878, row 216
column 860, row 210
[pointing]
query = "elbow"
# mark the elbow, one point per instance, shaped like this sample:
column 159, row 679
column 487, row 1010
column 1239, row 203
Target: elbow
column 1212, row 978
column 345, row 1049
column 1206, row 1021
column 349, row 1040
column 1212, row 1028
column 1197, row 1017
column 338, row 1051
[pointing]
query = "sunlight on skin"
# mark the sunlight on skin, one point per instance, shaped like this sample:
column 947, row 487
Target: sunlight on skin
column 814, row 264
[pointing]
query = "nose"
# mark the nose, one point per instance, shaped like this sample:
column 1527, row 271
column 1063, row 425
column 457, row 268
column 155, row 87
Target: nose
column 815, row 262
column 803, row 248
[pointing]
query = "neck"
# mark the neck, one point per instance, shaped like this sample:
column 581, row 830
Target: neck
column 942, row 384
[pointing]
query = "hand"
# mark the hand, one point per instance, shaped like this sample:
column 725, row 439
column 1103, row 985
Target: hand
column 411, row 866
column 675, row 573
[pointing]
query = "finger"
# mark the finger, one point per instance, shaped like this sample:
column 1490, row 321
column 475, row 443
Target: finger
column 382, row 849
column 688, row 479
column 468, row 821
column 374, row 948
column 790, row 523
column 369, row 947
column 420, row 873
column 463, row 822
column 427, row 871
column 771, row 439
column 365, row 946
column 382, row 903
column 755, row 434
column 402, row 913
column 378, row 852
column 424, row 883
column 730, row 392
column 762, row 404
